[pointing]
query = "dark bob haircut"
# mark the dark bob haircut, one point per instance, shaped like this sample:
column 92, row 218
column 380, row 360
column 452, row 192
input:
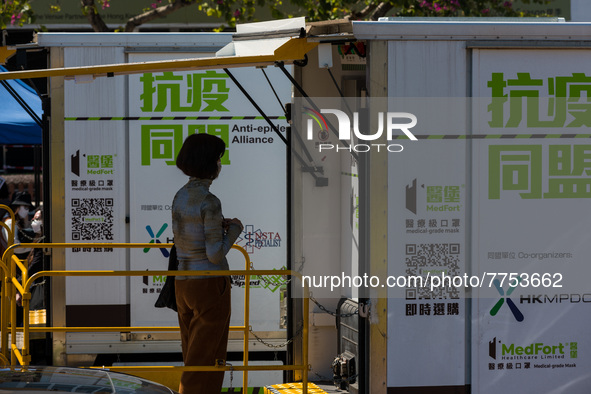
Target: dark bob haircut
column 199, row 155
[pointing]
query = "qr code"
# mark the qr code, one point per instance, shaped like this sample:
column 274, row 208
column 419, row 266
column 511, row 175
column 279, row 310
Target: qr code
column 92, row 219
column 428, row 260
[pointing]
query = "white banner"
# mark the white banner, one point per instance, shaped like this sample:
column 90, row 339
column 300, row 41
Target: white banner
column 95, row 192
column 164, row 109
column 531, row 182
column 426, row 238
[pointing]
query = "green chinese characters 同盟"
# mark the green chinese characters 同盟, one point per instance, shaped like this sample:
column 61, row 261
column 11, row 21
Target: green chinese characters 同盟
column 520, row 168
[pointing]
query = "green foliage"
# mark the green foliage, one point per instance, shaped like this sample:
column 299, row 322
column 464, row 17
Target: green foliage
column 15, row 13
column 19, row 12
column 368, row 9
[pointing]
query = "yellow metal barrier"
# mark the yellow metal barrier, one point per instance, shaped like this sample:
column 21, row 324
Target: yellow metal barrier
column 5, row 278
column 22, row 357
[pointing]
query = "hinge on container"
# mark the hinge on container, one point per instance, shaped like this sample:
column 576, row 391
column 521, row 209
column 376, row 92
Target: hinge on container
column 364, row 309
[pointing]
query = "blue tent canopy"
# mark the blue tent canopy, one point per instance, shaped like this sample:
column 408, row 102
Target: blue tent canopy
column 16, row 125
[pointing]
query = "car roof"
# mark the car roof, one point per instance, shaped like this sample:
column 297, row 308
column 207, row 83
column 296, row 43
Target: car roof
column 23, row 380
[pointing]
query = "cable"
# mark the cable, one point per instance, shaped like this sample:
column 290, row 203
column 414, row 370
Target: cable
column 274, row 92
column 22, row 103
column 305, row 95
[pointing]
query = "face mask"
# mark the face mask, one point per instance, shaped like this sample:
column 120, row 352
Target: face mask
column 36, row 226
column 23, row 212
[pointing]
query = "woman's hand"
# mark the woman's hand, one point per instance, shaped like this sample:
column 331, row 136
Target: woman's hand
column 227, row 222
column 37, row 215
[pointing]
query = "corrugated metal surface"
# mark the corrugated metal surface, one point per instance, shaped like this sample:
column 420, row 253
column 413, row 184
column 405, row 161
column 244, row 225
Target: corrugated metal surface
column 104, row 96
column 133, row 39
column 101, row 97
column 460, row 31
column 427, row 69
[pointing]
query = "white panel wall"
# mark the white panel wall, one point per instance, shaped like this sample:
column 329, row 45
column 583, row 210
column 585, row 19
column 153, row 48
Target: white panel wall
column 104, row 97
column 427, row 69
column 422, row 332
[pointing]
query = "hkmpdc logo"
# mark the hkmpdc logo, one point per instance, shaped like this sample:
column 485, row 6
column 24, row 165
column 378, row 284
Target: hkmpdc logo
column 505, row 299
column 155, row 239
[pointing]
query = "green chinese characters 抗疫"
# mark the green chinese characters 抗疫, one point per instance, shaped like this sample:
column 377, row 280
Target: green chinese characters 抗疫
column 193, row 92
column 514, row 98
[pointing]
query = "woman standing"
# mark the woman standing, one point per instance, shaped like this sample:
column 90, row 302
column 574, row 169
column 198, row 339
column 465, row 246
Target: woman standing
column 202, row 238
column 23, row 233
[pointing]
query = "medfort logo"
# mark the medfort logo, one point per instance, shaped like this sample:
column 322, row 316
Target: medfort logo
column 532, row 351
column 392, row 125
column 95, row 164
column 439, row 198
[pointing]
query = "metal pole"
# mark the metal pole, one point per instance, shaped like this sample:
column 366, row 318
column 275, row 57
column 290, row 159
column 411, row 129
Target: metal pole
column 253, row 102
column 246, row 323
column 46, row 218
column 37, row 172
column 289, row 357
column 305, row 353
column 304, row 94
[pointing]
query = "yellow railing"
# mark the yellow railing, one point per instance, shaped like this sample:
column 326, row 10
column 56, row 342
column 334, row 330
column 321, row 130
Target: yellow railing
column 11, row 285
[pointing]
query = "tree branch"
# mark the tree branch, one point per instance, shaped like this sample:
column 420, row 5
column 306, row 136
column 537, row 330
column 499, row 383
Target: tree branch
column 380, row 10
column 159, row 12
column 94, row 18
column 364, row 12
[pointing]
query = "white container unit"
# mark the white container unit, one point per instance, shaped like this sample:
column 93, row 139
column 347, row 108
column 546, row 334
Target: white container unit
column 114, row 142
column 498, row 182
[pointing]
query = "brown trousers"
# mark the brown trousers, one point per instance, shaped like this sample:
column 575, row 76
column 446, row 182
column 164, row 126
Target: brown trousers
column 204, row 307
